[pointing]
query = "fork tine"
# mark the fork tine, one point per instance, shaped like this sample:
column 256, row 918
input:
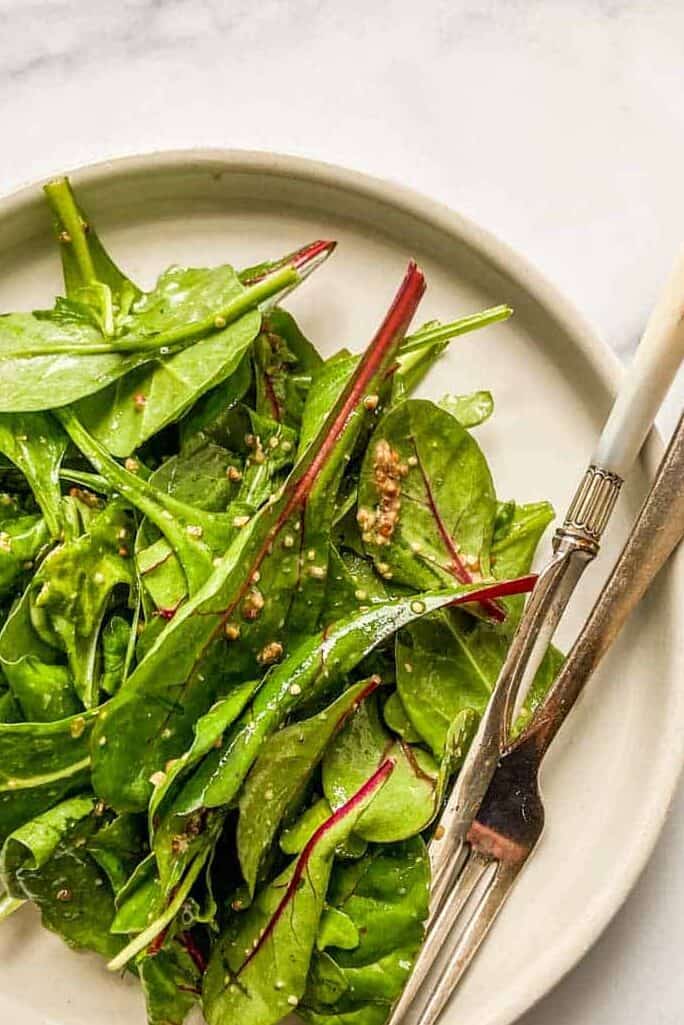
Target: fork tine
column 439, row 929
column 467, row 944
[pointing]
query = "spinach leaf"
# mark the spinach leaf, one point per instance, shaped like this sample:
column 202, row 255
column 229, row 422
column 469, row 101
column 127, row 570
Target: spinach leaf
column 406, row 804
column 36, row 444
column 47, row 861
column 279, row 777
column 384, row 901
column 144, row 401
column 185, row 669
column 448, row 664
column 426, row 498
column 84, row 258
column 51, row 360
column 279, row 929
column 40, row 765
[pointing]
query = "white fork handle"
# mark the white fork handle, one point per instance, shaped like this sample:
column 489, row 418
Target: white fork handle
column 647, row 381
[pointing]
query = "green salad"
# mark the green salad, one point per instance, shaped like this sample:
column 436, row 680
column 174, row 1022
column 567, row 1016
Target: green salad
column 252, row 605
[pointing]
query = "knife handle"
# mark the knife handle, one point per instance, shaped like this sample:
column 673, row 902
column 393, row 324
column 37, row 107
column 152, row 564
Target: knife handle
column 647, row 381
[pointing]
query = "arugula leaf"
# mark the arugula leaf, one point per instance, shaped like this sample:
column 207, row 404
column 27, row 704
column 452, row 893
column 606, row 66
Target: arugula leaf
column 72, row 590
column 384, row 901
column 35, row 670
column 22, row 538
column 279, row 929
column 280, row 775
column 36, row 444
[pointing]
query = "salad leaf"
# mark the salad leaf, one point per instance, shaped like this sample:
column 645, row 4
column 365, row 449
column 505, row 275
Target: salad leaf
column 278, row 780
column 40, row 764
column 279, row 930
column 426, row 498
column 470, row 410
column 47, row 861
column 407, row 803
column 384, row 901
column 36, row 444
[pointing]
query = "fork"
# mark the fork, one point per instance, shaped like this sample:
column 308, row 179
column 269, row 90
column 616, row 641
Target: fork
column 510, row 820
column 576, row 543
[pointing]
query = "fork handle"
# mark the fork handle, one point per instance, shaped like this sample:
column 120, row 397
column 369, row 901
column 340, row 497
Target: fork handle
column 657, row 531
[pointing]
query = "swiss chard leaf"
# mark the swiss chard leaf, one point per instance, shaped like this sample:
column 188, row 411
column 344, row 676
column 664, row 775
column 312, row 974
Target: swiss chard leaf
column 384, row 900
column 279, row 930
column 426, row 498
column 407, row 803
column 278, row 779
column 171, row 982
column 448, row 664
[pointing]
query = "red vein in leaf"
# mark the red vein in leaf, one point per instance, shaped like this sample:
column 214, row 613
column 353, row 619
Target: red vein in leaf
column 187, row 940
column 377, row 358
column 366, row 791
column 501, row 589
column 458, row 567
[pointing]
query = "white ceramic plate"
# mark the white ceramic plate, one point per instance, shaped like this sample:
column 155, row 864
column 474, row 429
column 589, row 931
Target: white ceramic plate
column 610, row 776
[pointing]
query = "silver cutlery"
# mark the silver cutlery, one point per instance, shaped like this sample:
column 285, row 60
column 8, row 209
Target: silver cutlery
column 470, row 841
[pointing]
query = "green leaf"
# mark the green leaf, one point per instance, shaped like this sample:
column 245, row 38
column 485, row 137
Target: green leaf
column 22, row 538
column 72, row 590
column 35, row 671
column 40, row 765
column 171, row 982
column 384, row 901
column 84, row 258
column 140, row 404
column 279, row 930
column 249, row 598
column 314, row 669
column 278, row 779
column 47, row 861
column 426, row 498
column 448, row 664
column 36, row 444
column 398, row 721
column 50, row 360
column 407, row 803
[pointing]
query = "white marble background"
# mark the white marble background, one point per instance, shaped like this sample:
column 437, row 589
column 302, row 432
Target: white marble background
column 557, row 124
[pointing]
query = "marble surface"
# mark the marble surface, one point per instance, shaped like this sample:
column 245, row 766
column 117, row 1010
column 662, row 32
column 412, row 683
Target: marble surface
column 557, row 124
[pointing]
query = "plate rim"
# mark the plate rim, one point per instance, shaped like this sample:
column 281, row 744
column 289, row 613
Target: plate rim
column 606, row 367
